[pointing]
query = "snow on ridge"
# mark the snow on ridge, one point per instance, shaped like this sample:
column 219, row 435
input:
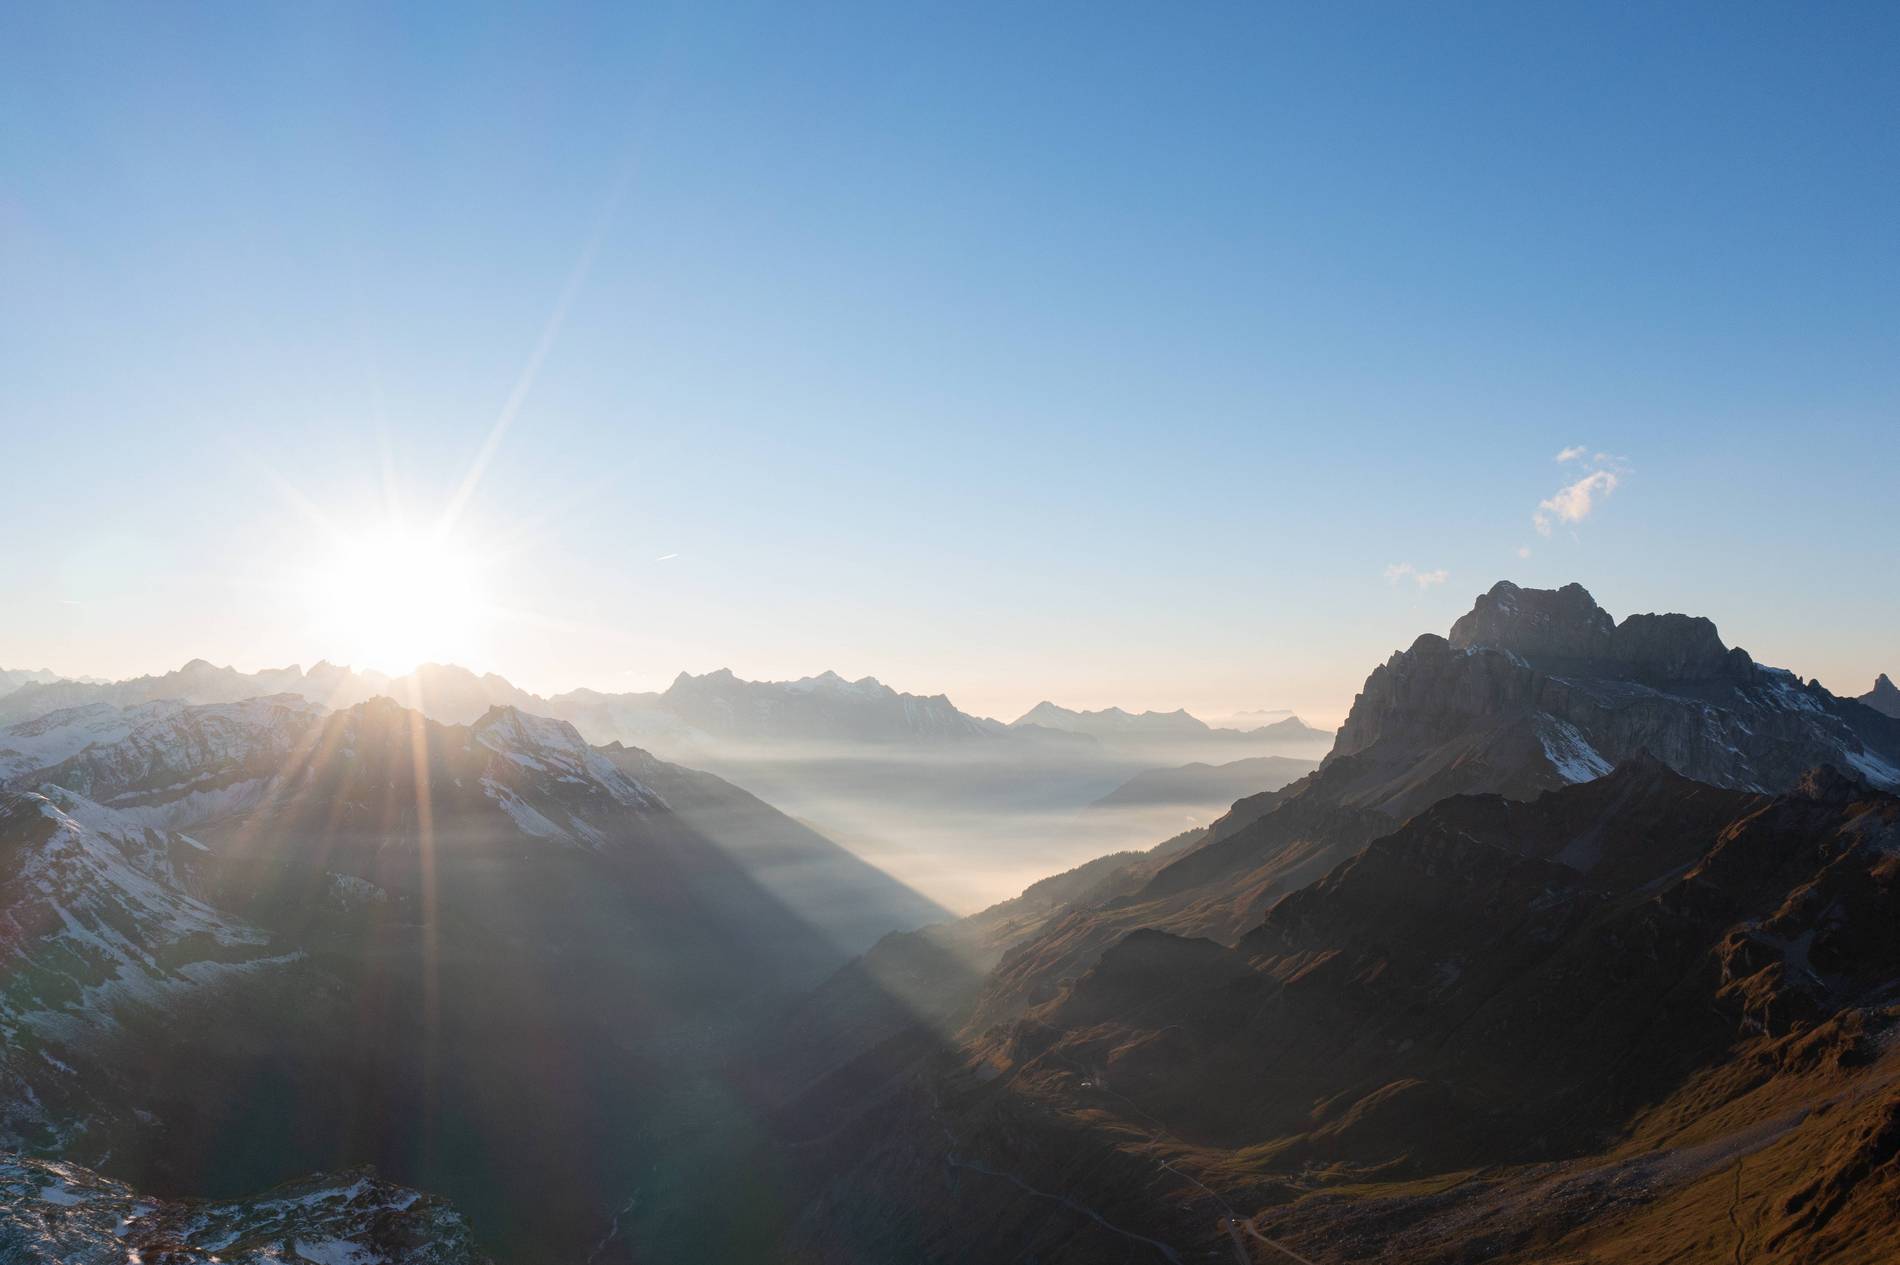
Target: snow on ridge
column 529, row 820
column 1873, row 768
column 544, row 745
column 1568, row 751
column 112, row 918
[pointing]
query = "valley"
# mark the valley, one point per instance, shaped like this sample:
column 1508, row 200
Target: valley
column 1577, row 916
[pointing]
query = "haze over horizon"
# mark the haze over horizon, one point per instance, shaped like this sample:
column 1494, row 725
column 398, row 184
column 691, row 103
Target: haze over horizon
column 1229, row 713
column 787, row 351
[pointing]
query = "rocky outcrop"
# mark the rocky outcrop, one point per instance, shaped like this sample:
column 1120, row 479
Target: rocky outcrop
column 1539, row 688
column 1884, row 697
column 1563, row 623
column 61, row 1214
column 1561, row 879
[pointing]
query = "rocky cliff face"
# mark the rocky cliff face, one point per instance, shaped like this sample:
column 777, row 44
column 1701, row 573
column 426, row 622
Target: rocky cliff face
column 1556, row 892
column 1533, row 691
column 1539, row 688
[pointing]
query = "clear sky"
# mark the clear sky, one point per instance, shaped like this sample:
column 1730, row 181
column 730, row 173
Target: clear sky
column 1150, row 354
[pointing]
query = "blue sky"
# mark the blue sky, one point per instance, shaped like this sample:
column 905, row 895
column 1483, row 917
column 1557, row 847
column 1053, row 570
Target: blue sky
column 1108, row 353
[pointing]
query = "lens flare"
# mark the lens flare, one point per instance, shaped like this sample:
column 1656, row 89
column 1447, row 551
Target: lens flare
column 392, row 598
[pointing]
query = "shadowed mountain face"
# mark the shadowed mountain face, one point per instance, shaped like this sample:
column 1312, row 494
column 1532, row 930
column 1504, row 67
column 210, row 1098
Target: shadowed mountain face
column 249, row 941
column 1625, row 986
column 1441, row 719
column 1537, row 688
column 1462, row 943
column 1580, row 943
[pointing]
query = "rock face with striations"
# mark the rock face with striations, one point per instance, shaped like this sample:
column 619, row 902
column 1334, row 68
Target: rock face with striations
column 1563, row 623
column 1536, row 688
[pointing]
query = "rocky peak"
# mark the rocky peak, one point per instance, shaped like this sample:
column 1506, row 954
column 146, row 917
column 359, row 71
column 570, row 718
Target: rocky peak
column 1566, row 627
column 507, row 728
column 1884, row 697
column 1675, row 647
column 1539, row 686
column 1563, row 623
column 686, row 681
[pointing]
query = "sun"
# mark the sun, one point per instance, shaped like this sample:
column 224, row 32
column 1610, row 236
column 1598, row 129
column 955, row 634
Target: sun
column 393, row 597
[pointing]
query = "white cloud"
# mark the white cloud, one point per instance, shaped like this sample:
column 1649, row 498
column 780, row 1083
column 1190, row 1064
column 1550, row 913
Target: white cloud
column 1572, row 453
column 1573, row 503
column 1424, row 579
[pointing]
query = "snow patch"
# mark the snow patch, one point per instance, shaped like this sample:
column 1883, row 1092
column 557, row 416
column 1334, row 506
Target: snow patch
column 1569, row 752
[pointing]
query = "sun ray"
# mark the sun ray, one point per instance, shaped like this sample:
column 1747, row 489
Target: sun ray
column 550, row 331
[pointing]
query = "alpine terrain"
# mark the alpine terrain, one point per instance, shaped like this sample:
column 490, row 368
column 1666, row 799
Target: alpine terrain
column 1580, row 944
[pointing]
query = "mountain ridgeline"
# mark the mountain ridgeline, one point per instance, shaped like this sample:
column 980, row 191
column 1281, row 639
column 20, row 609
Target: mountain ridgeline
column 1884, row 697
column 969, row 807
column 1580, row 943
column 247, row 941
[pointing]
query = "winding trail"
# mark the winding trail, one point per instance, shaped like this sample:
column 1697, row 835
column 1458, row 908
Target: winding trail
column 1234, row 1225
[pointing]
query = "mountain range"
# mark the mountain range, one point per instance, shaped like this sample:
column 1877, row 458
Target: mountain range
column 1579, row 944
column 245, row 941
column 1115, row 725
column 12, row 679
column 694, row 712
column 968, row 806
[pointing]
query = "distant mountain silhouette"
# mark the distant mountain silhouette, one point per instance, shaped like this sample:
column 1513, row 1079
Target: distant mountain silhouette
column 1884, row 697
column 1112, row 724
column 1200, row 783
column 12, row 679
